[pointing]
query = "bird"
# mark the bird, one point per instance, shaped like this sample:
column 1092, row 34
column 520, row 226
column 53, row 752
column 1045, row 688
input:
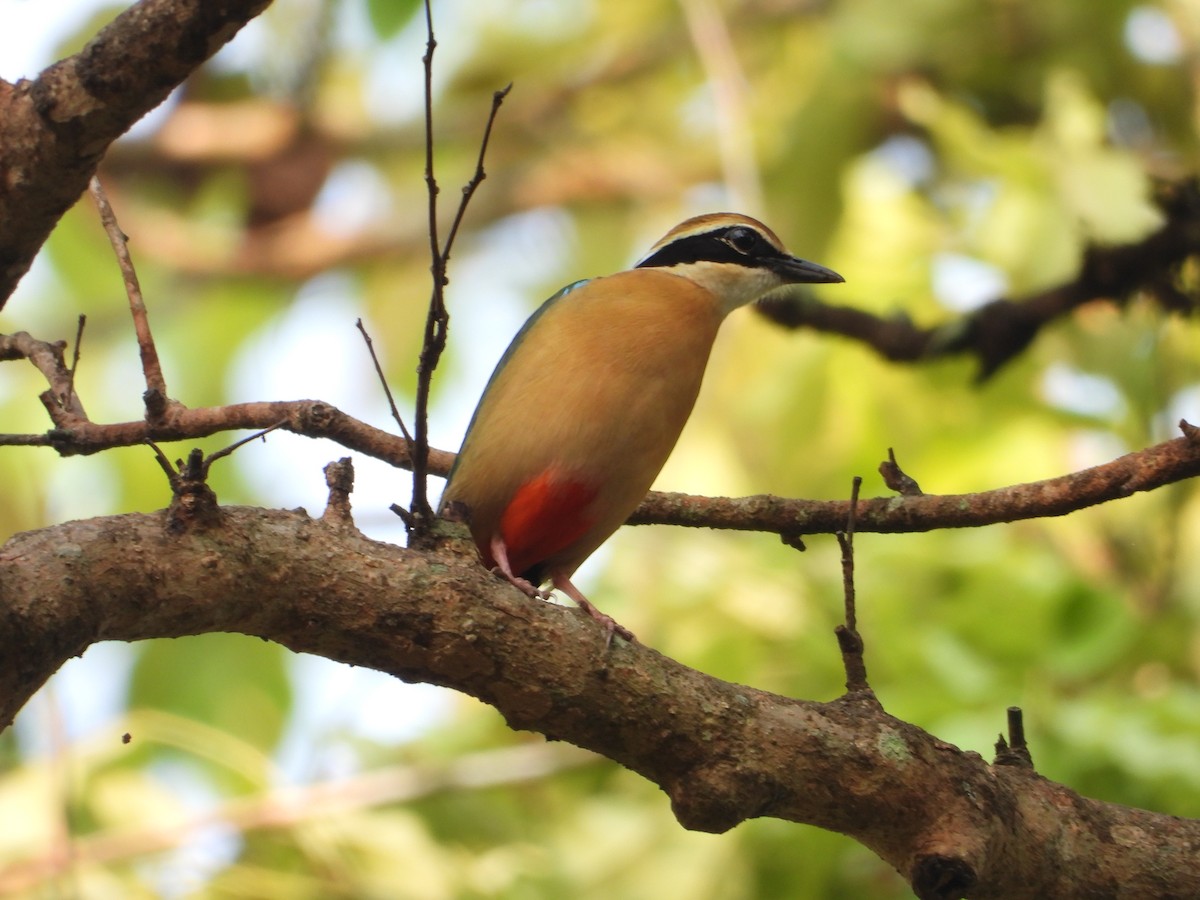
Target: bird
column 590, row 397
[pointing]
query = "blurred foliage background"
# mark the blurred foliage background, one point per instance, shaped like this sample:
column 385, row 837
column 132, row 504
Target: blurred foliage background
column 938, row 153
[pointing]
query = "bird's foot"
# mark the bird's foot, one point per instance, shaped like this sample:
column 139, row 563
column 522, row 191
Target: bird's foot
column 504, row 570
column 528, row 588
column 611, row 625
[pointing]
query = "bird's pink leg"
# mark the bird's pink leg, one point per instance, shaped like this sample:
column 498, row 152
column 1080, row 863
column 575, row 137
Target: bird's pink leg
column 563, row 583
column 504, row 569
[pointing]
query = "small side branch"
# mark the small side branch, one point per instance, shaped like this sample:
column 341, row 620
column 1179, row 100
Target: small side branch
column 896, row 478
column 227, row 451
column 437, row 320
column 75, row 357
column 60, row 400
column 396, row 417
column 479, row 175
column 193, row 502
column 999, row 331
column 1015, row 750
column 339, row 478
column 849, row 640
column 1143, row 470
column 156, row 386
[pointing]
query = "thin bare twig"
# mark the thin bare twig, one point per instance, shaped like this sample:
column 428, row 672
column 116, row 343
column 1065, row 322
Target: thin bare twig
column 438, row 319
column 1142, row 470
column 226, row 451
column 430, row 180
column 846, row 542
column 387, row 391
column 75, row 358
column 479, row 175
column 849, row 640
column 156, row 385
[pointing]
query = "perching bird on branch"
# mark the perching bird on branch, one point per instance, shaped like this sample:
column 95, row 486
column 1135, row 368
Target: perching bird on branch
column 589, row 399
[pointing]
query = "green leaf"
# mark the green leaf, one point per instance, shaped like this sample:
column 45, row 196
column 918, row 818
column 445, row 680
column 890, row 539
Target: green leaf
column 389, row 16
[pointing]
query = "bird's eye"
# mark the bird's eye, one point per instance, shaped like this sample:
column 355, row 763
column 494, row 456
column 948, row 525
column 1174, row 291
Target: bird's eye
column 743, row 240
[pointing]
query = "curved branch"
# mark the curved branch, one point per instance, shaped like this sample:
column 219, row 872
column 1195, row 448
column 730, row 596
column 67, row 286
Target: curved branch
column 1142, row 470
column 998, row 331
column 74, row 434
column 58, row 126
column 722, row 752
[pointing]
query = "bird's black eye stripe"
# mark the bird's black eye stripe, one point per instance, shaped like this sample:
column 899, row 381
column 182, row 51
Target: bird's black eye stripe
column 736, row 244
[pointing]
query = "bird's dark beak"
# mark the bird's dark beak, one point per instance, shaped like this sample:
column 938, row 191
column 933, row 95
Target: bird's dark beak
column 801, row 271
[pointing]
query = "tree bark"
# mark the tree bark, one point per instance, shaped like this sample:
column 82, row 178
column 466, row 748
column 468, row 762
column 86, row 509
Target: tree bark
column 950, row 823
column 946, row 820
column 58, row 126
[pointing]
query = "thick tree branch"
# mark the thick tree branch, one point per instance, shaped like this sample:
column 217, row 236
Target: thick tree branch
column 722, row 752
column 58, row 126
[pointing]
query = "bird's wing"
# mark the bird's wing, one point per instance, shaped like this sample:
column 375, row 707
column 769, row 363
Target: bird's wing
column 516, row 342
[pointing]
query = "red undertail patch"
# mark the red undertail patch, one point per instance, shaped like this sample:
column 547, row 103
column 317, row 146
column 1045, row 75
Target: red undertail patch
column 544, row 516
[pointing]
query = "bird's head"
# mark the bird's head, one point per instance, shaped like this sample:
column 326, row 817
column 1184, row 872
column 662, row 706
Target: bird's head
column 738, row 258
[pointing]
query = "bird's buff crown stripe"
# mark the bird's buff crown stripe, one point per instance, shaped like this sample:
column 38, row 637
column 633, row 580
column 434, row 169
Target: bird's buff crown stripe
column 708, row 223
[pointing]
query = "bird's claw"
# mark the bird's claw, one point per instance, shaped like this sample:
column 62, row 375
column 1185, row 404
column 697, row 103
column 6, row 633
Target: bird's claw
column 611, row 625
column 526, row 587
column 529, row 589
